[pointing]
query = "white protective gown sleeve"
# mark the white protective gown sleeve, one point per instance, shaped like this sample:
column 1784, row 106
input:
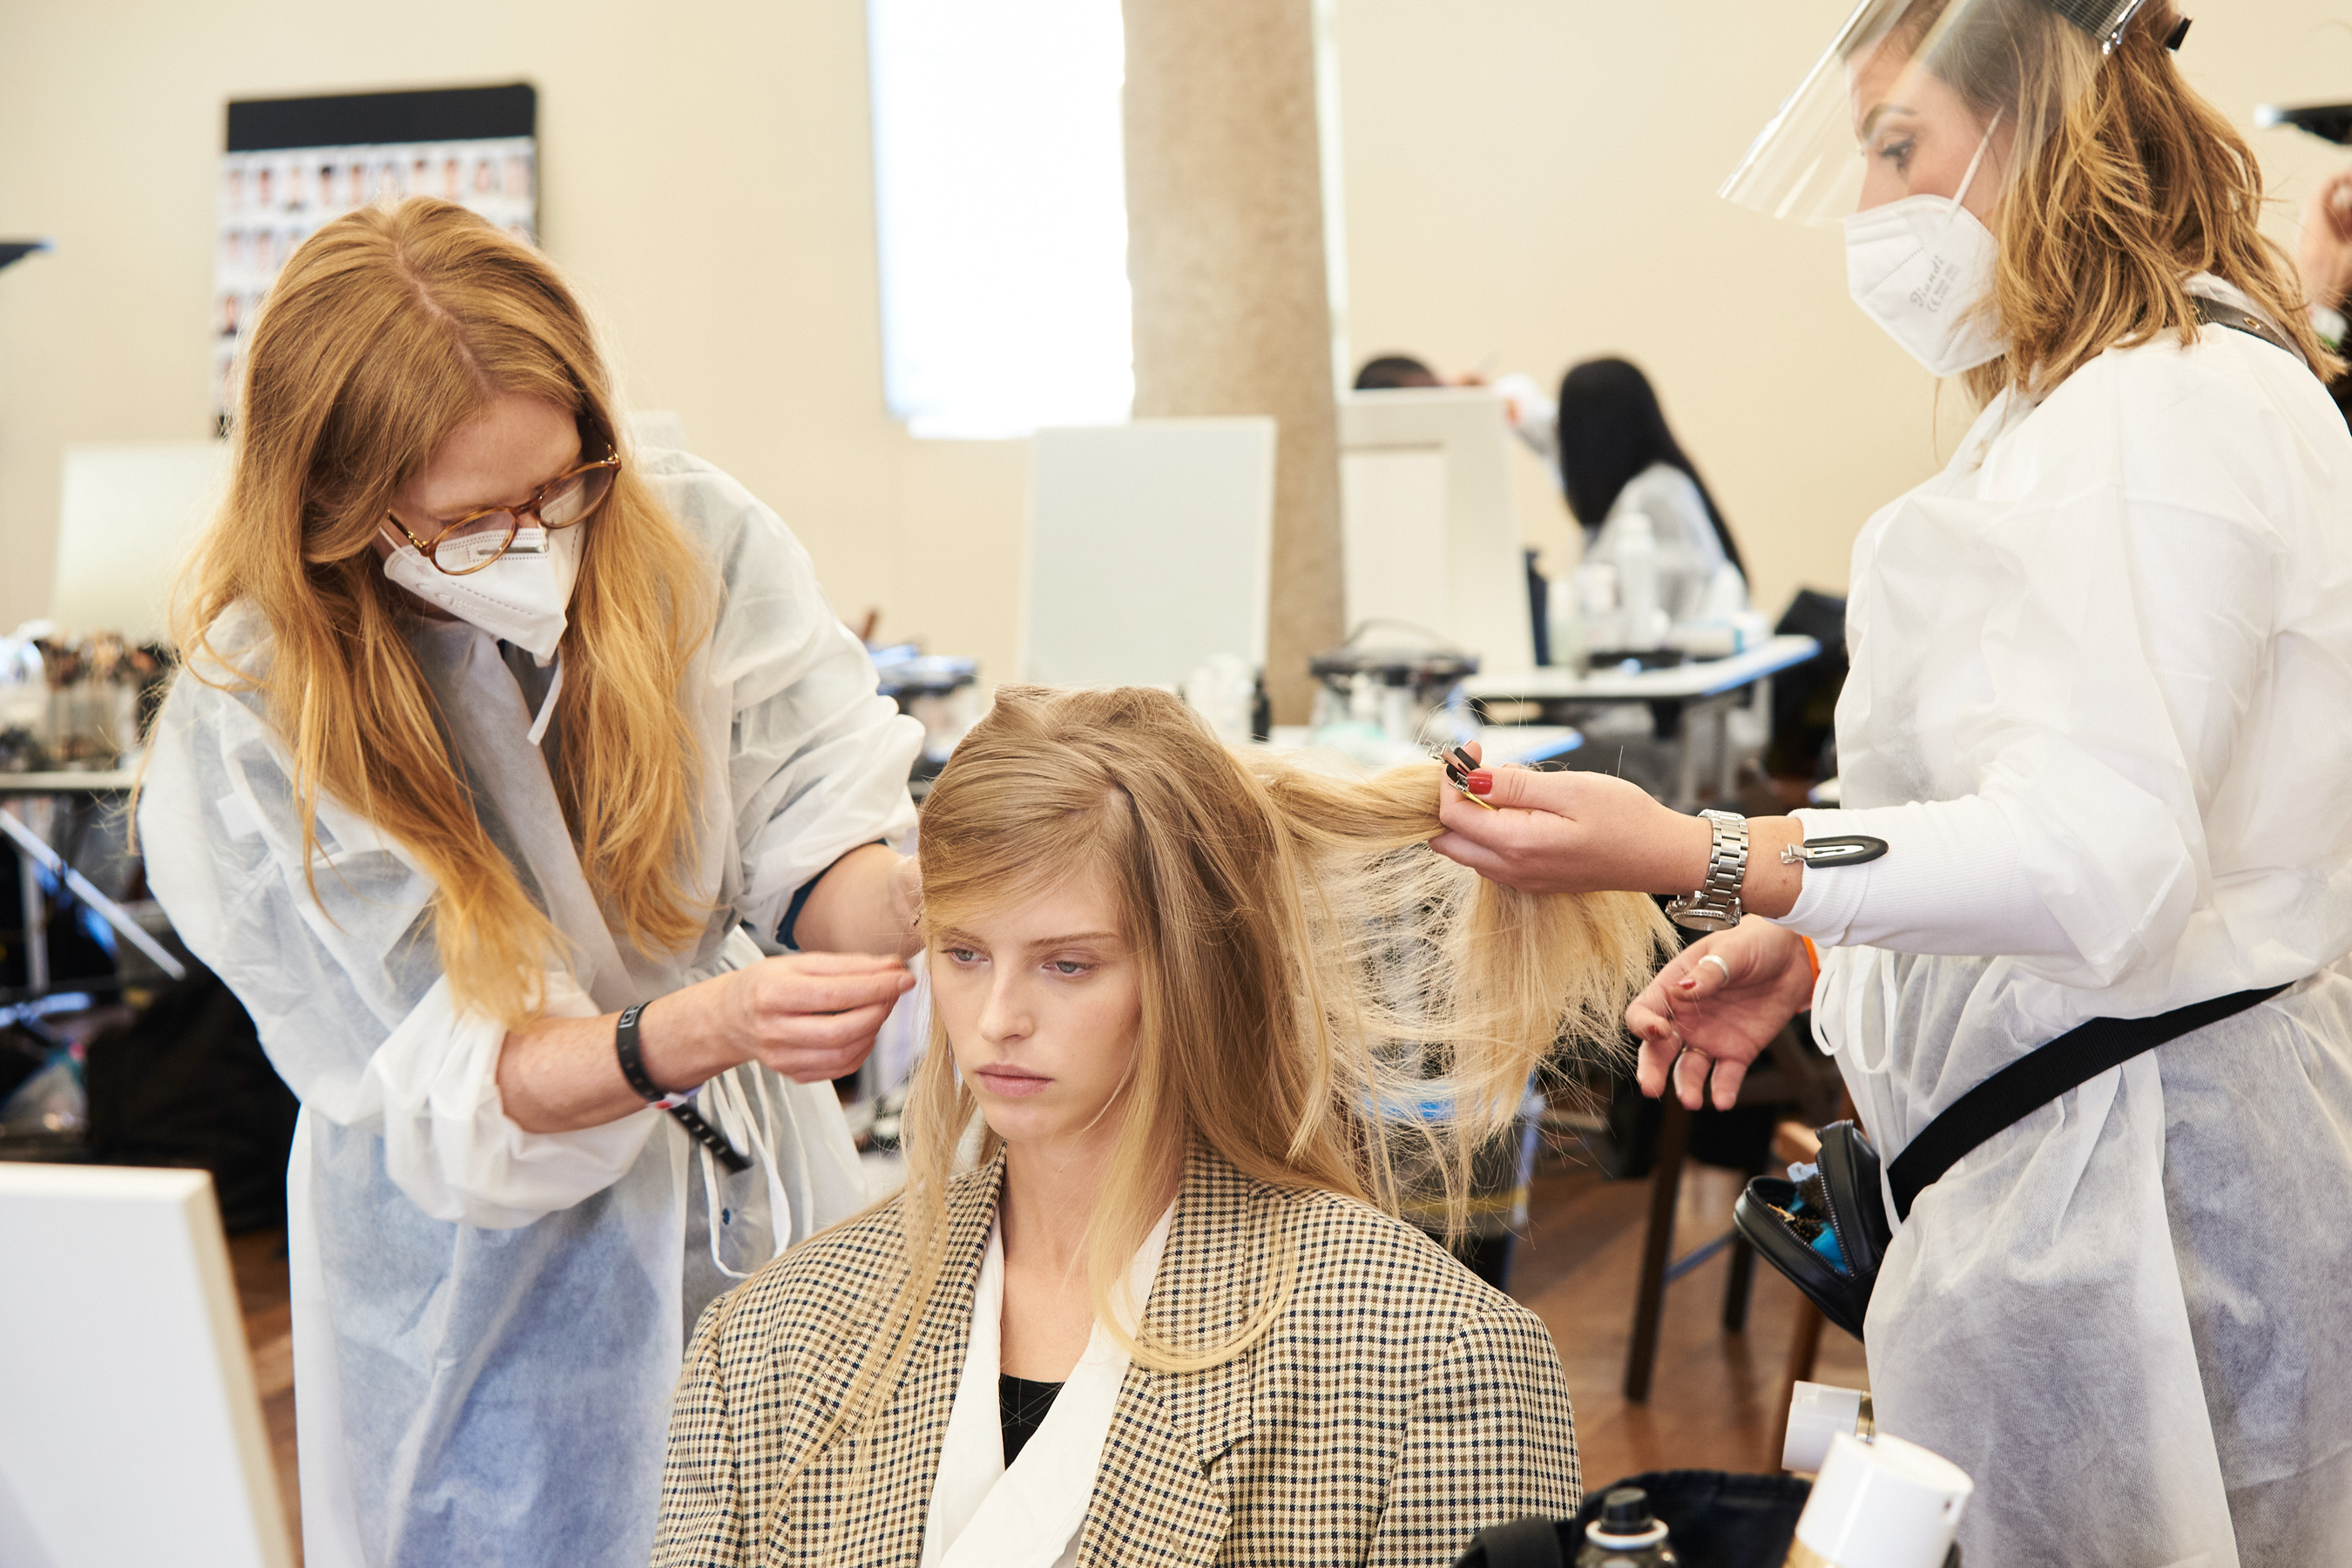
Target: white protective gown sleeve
column 489, row 1322
column 2102, row 665
column 1533, row 416
column 1953, row 880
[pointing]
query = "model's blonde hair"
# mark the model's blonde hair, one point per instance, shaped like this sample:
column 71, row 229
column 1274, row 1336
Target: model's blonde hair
column 388, row 329
column 1312, row 975
column 2131, row 183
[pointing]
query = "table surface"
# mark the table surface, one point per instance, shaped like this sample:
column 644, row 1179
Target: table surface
column 1700, row 677
column 111, row 782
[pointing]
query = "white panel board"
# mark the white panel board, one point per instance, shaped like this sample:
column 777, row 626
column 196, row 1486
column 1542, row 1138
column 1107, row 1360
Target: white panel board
column 1394, row 499
column 1475, row 536
column 129, row 1434
column 1149, row 549
column 127, row 517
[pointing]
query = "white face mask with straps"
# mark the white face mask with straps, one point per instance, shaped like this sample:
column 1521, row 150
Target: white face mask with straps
column 521, row 597
column 1918, row 267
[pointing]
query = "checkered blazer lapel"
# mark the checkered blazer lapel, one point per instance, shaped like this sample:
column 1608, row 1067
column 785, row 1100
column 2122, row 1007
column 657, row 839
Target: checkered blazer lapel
column 882, row 1521
column 1154, row 1501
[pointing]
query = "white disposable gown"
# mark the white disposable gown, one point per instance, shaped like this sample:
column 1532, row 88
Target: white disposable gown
column 2118, row 629
column 489, row 1322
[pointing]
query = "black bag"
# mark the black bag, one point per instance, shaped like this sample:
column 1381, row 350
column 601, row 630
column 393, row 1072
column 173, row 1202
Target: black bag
column 1829, row 1233
column 185, row 1083
column 1713, row 1520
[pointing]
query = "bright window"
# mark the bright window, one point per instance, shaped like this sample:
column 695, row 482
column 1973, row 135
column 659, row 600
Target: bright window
column 1001, row 202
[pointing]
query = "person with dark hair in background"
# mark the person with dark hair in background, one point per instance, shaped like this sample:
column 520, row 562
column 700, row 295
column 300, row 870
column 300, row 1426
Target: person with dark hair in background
column 1618, row 461
column 1387, row 373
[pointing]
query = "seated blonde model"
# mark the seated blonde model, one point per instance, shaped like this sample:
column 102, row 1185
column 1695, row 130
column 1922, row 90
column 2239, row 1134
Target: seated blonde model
column 1174, row 986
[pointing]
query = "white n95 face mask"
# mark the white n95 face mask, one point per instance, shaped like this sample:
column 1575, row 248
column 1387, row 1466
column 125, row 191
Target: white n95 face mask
column 521, row 597
column 1919, row 267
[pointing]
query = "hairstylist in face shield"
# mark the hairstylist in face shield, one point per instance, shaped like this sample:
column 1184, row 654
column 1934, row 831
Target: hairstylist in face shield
column 491, row 733
column 2097, row 716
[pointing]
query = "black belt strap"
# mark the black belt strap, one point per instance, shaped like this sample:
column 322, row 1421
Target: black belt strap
column 2039, row 1077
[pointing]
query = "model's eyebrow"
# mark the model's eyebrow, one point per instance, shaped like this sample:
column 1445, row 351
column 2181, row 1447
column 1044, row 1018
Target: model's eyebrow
column 955, row 936
column 1042, row 944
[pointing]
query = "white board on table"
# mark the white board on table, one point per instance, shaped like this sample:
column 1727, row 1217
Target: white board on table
column 1431, row 534
column 1149, row 549
column 128, row 515
column 130, row 1433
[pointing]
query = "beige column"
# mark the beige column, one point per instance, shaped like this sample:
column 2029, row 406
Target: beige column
column 1224, row 214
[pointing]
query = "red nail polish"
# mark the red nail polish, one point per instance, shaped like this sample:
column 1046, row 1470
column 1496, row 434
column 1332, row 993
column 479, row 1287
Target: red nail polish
column 1482, row 782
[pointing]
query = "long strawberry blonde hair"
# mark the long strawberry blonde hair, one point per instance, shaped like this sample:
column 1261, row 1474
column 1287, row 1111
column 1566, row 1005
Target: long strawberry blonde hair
column 389, row 328
column 2132, row 184
column 1312, row 975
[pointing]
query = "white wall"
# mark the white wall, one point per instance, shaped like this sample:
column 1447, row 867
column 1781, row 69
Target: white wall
column 706, row 180
column 1529, row 179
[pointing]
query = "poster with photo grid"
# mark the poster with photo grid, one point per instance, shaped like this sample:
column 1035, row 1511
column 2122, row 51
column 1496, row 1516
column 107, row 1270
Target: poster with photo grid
column 293, row 163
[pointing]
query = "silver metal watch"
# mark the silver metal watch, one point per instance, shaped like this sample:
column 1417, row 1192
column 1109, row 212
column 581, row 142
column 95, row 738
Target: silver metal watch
column 1716, row 905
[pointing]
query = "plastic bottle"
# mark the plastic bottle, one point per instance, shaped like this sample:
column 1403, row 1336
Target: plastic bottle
column 1626, row 1535
column 1596, row 607
column 1817, row 1413
column 1566, row 631
column 1635, row 551
column 1884, row 1503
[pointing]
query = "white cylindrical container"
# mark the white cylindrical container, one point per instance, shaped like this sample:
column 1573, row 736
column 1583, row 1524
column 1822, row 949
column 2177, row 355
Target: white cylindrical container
column 1400, row 714
column 1566, row 630
column 1882, row 1504
column 1596, row 604
column 1635, row 551
column 1817, row 1413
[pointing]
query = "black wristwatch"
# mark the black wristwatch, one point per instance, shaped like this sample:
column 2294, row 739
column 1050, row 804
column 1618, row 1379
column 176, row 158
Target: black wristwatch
column 631, row 1055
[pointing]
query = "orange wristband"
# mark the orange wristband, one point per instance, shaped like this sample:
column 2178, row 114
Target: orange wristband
column 1812, row 955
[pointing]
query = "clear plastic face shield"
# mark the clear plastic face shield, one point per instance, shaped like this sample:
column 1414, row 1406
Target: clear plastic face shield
column 1908, row 133
column 1926, row 98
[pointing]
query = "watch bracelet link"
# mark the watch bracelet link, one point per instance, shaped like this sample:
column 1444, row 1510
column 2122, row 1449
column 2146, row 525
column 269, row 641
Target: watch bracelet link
column 630, row 1054
column 1714, row 904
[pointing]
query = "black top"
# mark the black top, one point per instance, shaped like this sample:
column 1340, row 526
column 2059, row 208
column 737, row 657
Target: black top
column 1021, row 1405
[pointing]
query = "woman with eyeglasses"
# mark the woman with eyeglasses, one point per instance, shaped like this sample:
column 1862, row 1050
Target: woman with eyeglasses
column 502, row 759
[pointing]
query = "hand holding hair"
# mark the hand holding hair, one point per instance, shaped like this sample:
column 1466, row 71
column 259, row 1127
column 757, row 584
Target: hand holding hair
column 1578, row 832
column 810, row 1015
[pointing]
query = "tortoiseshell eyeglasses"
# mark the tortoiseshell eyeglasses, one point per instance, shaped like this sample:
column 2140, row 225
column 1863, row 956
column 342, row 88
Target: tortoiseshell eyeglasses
column 478, row 538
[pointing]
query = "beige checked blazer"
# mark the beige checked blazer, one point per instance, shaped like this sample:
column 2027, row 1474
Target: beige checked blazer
column 1398, row 1406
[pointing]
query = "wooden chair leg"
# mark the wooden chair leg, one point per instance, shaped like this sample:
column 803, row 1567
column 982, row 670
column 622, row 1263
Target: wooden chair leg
column 1737, row 1285
column 1804, row 1349
column 1657, row 1247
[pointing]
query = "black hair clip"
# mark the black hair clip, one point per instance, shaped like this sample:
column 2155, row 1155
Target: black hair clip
column 1825, row 852
column 2173, row 40
column 1459, row 766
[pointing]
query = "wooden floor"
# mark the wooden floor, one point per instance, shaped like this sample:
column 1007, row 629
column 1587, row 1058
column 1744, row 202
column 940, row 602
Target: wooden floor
column 259, row 1261
column 1711, row 1404
column 1709, row 1408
